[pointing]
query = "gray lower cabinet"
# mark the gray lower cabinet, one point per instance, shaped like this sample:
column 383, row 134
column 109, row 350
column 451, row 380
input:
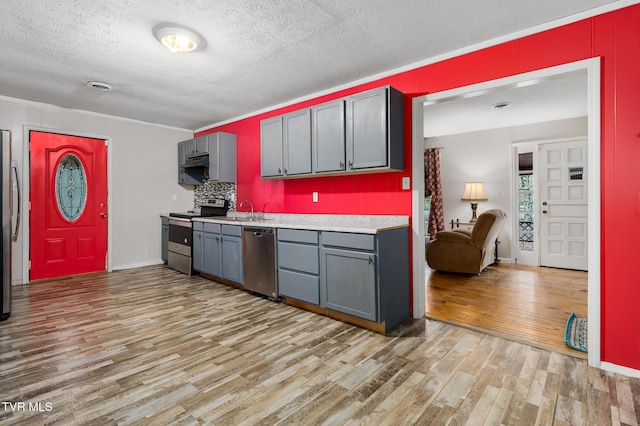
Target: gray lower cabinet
column 197, row 251
column 217, row 250
column 299, row 265
column 366, row 276
column 165, row 238
column 231, row 253
column 349, row 282
column 212, row 250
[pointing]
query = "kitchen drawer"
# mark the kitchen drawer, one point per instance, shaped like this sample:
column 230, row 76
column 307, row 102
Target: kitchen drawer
column 198, row 226
column 298, row 235
column 299, row 257
column 299, row 286
column 212, row 227
column 349, row 240
column 234, row 230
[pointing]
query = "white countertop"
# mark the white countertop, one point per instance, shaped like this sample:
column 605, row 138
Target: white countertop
column 368, row 224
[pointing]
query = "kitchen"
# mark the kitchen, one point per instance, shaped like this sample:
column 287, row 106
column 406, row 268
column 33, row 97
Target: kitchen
column 142, row 157
column 354, row 267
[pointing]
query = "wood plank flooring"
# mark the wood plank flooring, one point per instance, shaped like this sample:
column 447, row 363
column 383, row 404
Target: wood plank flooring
column 151, row 346
column 522, row 303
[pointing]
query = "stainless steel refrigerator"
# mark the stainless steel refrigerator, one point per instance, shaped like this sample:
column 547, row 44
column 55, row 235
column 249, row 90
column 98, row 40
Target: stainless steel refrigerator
column 10, row 223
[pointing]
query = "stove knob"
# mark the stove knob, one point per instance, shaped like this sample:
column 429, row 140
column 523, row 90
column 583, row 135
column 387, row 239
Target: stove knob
column 185, row 241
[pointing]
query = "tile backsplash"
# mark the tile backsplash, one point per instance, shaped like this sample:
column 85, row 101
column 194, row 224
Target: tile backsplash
column 208, row 190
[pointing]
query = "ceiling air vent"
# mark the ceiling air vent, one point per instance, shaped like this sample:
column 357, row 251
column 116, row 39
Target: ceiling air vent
column 501, row 105
column 99, row 85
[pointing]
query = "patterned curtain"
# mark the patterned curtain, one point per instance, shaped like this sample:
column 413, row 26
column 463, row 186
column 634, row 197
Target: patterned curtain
column 433, row 188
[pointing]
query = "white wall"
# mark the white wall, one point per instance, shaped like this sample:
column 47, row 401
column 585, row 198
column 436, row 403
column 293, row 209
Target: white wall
column 485, row 156
column 143, row 175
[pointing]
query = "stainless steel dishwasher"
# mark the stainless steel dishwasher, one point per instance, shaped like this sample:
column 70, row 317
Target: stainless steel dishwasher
column 259, row 259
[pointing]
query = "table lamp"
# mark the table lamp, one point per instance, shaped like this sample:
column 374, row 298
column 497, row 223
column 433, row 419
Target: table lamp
column 473, row 192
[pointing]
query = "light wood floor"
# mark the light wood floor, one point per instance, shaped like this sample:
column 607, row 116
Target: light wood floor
column 522, row 303
column 152, row 346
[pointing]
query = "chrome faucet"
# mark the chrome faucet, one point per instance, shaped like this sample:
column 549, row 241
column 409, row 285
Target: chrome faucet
column 251, row 215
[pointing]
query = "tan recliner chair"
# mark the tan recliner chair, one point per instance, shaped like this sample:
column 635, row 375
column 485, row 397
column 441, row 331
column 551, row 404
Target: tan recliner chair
column 467, row 251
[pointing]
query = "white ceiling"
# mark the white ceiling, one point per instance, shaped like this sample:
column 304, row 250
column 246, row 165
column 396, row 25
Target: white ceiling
column 258, row 53
column 551, row 99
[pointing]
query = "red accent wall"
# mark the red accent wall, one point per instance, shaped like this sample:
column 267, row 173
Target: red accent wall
column 615, row 37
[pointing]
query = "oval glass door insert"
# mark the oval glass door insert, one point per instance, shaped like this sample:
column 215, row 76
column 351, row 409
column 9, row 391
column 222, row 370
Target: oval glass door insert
column 71, row 187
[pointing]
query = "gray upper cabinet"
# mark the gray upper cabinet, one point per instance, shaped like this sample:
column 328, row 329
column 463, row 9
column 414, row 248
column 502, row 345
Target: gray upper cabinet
column 201, row 145
column 328, row 137
column 375, row 134
column 360, row 133
column 187, row 175
column 219, row 148
column 271, row 162
column 182, row 153
column 297, row 142
column 198, row 146
column 222, row 157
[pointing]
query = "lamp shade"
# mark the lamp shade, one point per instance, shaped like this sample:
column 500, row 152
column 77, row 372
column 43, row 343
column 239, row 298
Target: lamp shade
column 473, row 192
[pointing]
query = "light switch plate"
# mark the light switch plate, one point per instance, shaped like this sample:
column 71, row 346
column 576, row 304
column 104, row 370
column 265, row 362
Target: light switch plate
column 315, row 197
column 406, row 182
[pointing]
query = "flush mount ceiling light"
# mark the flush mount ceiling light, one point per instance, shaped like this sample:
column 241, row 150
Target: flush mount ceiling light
column 100, row 85
column 501, row 105
column 177, row 39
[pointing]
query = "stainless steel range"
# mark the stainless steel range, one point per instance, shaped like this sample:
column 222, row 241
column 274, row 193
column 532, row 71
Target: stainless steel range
column 181, row 233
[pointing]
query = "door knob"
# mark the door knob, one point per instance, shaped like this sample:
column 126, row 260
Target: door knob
column 544, row 212
column 544, row 203
column 103, row 215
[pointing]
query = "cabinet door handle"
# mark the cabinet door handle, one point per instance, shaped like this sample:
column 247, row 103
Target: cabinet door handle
column 370, row 260
column 279, row 171
column 351, row 165
column 342, row 165
column 285, row 171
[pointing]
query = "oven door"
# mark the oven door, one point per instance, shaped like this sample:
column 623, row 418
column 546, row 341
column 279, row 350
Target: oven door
column 179, row 246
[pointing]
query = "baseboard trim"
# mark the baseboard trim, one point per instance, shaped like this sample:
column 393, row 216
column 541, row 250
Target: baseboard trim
column 614, row 368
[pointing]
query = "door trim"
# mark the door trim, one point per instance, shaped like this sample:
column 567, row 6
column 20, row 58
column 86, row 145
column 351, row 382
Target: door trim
column 515, row 148
column 26, row 184
column 592, row 68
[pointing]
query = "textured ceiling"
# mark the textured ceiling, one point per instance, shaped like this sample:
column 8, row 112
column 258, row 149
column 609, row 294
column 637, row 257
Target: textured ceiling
column 551, row 99
column 257, row 54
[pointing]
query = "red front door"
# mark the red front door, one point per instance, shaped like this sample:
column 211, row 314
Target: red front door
column 68, row 216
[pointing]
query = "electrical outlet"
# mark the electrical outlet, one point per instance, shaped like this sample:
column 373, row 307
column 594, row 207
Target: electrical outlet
column 174, row 197
column 315, row 197
column 406, row 182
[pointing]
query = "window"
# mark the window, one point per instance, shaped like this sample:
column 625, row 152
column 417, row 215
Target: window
column 525, row 202
column 71, row 187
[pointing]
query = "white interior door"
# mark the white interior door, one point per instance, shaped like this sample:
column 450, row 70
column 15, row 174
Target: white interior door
column 563, row 204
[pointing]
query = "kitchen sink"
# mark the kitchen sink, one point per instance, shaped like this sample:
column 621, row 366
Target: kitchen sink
column 241, row 219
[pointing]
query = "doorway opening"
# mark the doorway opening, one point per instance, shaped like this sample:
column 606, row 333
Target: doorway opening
column 588, row 69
